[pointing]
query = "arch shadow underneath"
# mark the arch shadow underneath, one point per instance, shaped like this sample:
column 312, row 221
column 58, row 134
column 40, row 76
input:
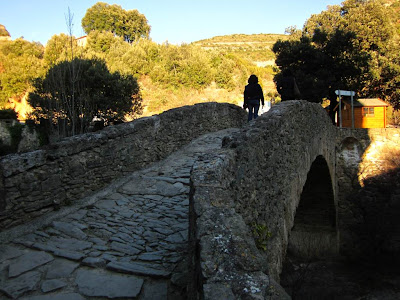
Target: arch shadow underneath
column 314, row 233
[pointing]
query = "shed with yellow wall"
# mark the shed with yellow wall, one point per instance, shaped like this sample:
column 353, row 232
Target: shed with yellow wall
column 368, row 113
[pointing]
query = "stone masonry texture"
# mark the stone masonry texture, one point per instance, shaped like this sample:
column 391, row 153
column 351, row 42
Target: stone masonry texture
column 173, row 205
column 275, row 155
column 35, row 183
column 128, row 241
column 256, row 179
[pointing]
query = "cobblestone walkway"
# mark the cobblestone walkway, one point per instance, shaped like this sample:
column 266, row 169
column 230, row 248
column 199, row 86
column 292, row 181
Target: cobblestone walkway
column 131, row 242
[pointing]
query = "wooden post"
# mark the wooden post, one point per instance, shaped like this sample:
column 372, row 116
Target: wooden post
column 345, row 93
column 352, row 112
column 340, row 110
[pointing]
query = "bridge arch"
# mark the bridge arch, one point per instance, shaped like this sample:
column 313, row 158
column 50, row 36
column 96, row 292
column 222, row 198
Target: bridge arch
column 252, row 193
column 285, row 146
column 314, row 231
column 264, row 182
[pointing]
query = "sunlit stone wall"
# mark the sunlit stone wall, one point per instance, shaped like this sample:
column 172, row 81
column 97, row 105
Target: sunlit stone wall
column 362, row 154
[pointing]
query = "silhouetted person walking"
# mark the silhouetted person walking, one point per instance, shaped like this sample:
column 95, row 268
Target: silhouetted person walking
column 333, row 105
column 287, row 86
column 252, row 95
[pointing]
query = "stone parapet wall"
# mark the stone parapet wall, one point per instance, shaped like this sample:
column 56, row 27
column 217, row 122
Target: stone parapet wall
column 38, row 182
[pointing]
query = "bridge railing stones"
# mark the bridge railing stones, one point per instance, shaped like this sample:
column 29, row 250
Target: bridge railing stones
column 34, row 183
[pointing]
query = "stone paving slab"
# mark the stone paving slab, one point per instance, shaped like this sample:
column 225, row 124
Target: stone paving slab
column 94, row 283
column 130, row 242
column 27, row 262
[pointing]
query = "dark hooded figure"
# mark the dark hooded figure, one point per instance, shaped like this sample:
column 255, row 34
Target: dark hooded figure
column 333, row 105
column 287, row 86
column 252, row 95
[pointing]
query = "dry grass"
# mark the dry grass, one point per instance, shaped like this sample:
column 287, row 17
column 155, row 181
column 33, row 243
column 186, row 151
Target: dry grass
column 381, row 161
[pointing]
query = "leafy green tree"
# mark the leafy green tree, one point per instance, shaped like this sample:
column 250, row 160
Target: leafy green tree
column 195, row 68
column 6, row 114
column 224, row 68
column 102, row 41
column 293, row 32
column 185, row 65
column 58, row 49
column 20, row 62
column 77, row 91
column 115, row 58
column 128, row 24
column 357, row 46
column 136, row 59
column 395, row 6
column 321, row 63
column 145, row 54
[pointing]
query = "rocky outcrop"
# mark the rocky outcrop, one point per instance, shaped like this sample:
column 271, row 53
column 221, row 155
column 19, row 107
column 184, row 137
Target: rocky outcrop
column 4, row 34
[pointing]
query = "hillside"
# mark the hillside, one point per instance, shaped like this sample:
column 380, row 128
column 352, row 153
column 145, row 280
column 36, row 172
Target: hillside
column 214, row 69
column 254, row 55
column 254, row 47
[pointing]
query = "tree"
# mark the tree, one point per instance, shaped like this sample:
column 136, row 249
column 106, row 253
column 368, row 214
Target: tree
column 321, row 63
column 20, row 62
column 7, row 114
column 102, row 41
column 140, row 57
column 128, row 24
column 58, row 49
column 95, row 93
column 185, row 65
column 353, row 46
column 224, row 69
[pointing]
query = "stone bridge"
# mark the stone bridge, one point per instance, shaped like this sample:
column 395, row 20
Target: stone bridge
column 191, row 203
column 254, row 187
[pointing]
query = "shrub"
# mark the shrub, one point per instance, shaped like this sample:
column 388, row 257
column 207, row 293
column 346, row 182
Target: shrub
column 16, row 136
column 393, row 116
column 7, row 114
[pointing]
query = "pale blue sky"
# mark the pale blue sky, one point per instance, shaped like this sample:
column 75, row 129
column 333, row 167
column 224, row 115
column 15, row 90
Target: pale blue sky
column 175, row 21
